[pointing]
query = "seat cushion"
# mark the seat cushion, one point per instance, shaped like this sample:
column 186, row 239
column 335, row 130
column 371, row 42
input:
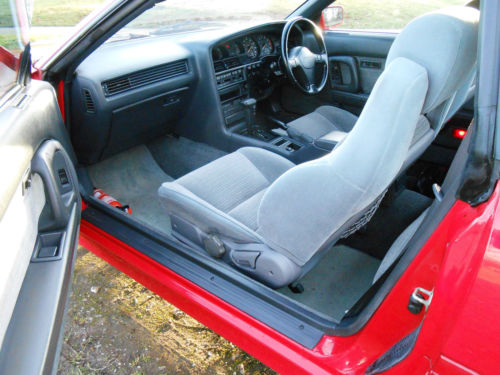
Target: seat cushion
column 322, row 121
column 224, row 196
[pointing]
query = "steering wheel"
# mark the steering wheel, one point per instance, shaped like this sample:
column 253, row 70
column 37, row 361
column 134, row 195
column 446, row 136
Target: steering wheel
column 302, row 65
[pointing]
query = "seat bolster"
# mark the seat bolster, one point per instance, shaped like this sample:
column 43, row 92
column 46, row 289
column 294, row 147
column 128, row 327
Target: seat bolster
column 179, row 201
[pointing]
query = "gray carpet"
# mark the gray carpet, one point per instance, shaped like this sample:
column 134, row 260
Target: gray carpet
column 133, row 177
column 337, row 281
column 179, row 156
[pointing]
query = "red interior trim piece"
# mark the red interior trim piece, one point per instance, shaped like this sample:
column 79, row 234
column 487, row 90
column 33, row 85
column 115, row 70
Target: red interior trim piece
column 7, row 58
column 60, row 99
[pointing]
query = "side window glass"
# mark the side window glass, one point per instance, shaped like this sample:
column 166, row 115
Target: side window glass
column 13, row 38
column 386, row 15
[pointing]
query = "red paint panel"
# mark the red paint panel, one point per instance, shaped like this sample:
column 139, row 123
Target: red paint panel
column 448, row 366
column 474, row 340
column 60, row 99
column 460, row 324
column 8, row 59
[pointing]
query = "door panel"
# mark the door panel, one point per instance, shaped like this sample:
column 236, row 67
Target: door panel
column 356, row 61
column 39, row 219
column 18, row 230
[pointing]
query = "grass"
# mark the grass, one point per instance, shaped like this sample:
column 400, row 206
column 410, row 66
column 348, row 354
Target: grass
column 62, row 12
column 9, row 41
column 123, row 328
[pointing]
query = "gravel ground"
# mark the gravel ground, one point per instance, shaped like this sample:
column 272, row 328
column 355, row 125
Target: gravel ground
column 116, row 326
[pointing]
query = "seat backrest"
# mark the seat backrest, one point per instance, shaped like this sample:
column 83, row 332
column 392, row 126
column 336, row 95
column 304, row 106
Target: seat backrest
column 305, row 210
column 451, row 29
column 445, row 44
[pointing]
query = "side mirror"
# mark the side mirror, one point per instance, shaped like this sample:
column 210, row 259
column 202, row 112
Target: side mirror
column 332, row 17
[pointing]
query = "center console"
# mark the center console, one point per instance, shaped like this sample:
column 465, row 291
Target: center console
column 232, row 87
column 235, row 87
column 246, row 72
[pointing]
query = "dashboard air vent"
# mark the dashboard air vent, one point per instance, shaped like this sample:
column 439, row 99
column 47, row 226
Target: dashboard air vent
column 144, row 77
column 219, row 66
column 88, row 101
column 232, row 63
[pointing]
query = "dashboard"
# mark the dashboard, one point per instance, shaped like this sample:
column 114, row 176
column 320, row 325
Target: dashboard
column 159, row 83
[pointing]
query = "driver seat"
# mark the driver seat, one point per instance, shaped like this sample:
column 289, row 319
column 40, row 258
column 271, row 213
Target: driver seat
column 274, row 220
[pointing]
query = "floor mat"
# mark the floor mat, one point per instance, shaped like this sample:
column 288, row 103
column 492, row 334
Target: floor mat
column 337, row 281
column 388, row 222
column 133, row 177
column 179, row 156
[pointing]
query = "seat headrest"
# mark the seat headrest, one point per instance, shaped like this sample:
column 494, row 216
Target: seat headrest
column 445, row 44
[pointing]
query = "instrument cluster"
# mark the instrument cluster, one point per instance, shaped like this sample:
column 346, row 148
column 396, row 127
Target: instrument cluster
column 250, row 47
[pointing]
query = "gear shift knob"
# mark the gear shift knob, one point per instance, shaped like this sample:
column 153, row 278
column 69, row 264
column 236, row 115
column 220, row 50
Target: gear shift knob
column 250, row 105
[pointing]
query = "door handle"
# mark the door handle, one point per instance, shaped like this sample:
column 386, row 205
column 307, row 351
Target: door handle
column 55, row 167
column 344, row 73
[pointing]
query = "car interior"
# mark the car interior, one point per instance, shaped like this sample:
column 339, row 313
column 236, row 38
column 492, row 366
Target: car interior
column 299, row 160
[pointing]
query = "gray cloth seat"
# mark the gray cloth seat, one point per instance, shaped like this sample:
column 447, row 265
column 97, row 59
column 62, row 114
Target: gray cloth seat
column 322, row 121
column 274, row 220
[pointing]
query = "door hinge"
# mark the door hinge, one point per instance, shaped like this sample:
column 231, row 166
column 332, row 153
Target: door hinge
column 419, row 298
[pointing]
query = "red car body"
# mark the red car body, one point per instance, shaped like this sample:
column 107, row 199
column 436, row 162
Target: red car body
column 460, row 261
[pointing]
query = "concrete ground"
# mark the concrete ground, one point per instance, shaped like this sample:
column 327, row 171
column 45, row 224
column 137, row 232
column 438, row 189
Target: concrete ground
column 116, row 326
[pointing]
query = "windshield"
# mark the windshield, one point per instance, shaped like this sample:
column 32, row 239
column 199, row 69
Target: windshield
column 174, row 16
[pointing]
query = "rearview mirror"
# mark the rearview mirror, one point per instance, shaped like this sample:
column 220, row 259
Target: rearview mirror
column 332, row 17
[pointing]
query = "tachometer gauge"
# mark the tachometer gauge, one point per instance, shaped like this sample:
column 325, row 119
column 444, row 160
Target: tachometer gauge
column 265, row 44
column 250, row 47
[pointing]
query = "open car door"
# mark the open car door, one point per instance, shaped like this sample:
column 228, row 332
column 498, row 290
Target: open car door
column 39, row 210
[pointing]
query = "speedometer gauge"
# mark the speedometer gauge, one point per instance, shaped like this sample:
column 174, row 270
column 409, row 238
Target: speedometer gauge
column 251, row 49
column 265, row 44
